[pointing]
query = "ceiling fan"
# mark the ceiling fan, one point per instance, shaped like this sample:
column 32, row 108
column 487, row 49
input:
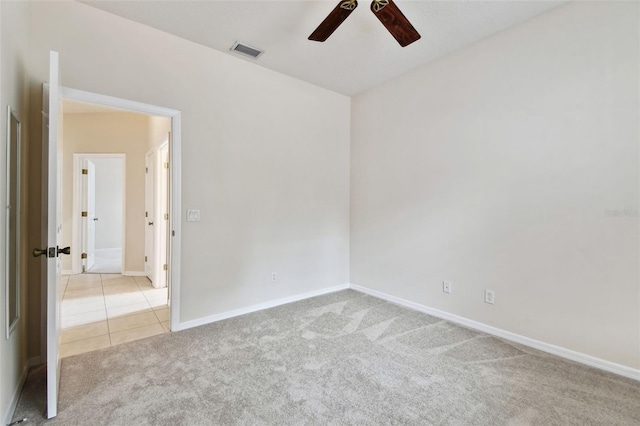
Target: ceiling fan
column 385, row 10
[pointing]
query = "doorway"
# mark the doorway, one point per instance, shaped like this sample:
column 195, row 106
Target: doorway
column 53, row 286
column 108, row 298
column 103, row 209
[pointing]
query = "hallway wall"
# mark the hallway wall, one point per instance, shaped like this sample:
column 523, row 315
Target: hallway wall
column 101, row 133
column 14, row 89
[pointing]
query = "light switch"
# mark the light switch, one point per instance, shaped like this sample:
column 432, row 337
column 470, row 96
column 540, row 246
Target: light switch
column 193, row 215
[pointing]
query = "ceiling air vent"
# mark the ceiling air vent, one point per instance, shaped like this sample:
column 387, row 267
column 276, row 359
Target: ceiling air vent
column 245, row 50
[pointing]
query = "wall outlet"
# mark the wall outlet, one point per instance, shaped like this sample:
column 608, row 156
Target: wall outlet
column 489, row 296
column 274, row 276
column 193, row 215
column 446, row 286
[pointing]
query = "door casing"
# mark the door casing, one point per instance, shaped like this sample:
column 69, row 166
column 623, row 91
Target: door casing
column 150, row 217
column 175, row 153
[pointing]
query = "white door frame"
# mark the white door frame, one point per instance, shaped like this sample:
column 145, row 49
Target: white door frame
column 175, row 153
column 150, row 210
column 76, row 218
column 162, row 231
column 89, row 205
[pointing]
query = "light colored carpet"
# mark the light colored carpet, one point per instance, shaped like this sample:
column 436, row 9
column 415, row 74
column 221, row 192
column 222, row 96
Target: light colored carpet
column 340, row 359
column 108, row 261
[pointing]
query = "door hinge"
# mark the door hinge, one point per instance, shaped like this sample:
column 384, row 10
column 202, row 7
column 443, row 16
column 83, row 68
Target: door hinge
column 83, row 256
column 85, row 171
column 146, row 214
column 145, row 259
column 165, row 267
column 166, row 165
column 146, row 170
column 166, row 216
column 84, row 214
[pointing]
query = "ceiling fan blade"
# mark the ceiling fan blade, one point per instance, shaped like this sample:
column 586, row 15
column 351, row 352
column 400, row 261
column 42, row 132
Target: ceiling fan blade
column 395, row 21
column 333, row 20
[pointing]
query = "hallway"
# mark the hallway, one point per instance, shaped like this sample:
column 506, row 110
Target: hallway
column 107, row 261
column 103, row 310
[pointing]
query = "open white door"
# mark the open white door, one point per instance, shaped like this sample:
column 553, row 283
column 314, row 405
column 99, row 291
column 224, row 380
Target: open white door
column 50, row 129
column 89, row 225
column 162, row 214
column 149, row 230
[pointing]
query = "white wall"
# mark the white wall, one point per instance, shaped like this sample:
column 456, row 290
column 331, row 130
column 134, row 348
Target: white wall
column 109, row 192
column 265, row 156
column 495, row 168
column 159, row 128
column 13, row 92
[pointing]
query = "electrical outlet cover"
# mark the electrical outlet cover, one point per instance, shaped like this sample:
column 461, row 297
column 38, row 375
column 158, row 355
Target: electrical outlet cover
column 489, row 296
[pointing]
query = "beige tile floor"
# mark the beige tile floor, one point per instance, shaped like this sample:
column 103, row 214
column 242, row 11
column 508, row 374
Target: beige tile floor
column 102, row 310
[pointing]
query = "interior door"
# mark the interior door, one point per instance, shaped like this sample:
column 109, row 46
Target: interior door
column 50, row 130
column 149, row 229
column 162, row 231
column 90, row 219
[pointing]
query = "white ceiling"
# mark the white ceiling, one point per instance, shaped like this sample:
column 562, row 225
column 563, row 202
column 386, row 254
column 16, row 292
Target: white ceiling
column 359, row 55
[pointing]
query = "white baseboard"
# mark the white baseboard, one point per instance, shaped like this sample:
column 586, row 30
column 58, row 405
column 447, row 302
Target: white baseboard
column 271, row 304
column 135, row 273
column 127, row 273
column 8, row 415
column 589, row 360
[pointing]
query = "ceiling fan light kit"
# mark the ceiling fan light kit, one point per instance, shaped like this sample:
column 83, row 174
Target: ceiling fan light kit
column 385, row 10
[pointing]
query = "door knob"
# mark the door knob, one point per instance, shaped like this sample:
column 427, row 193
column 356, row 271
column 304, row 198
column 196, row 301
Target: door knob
column 46, row 252
column 66, row 250
column 39, row 252
column 150, row 223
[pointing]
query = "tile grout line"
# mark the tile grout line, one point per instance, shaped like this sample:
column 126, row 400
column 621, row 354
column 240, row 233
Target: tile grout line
column 137, row 327
column 66, row 286
column 104, row 300
column 150, row 305
column 158, row 318
column 62, row 313
column 85, row 338
column 124, row 316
